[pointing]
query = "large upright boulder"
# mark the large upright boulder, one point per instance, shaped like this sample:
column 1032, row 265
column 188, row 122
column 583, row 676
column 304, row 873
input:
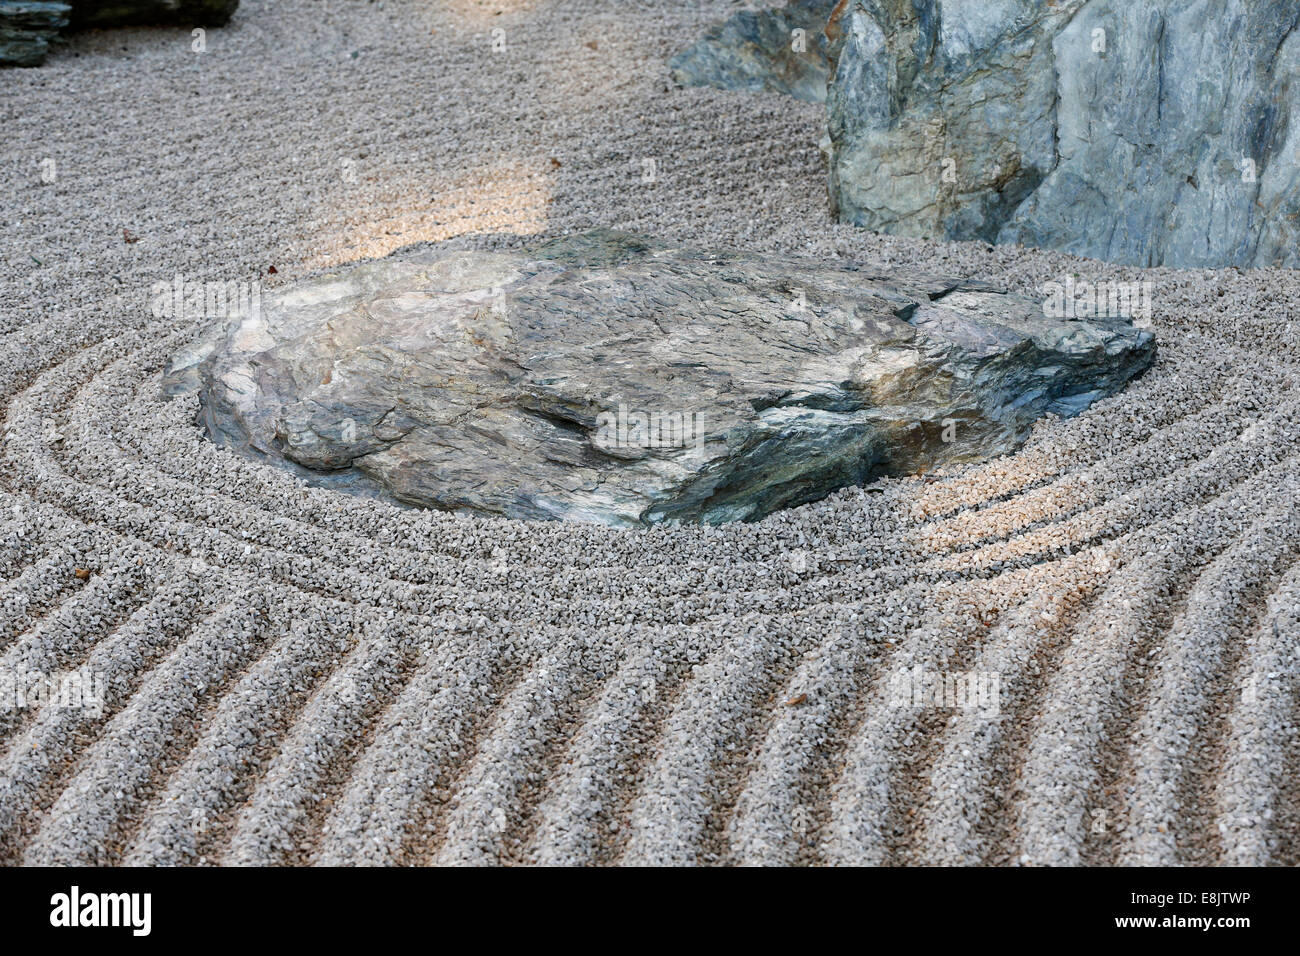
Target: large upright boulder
column 611, row 378
column 1146, row 132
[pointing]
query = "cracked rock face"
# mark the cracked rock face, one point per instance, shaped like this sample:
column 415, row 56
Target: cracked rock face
column 779, row 51
column 1145, row 132
column 610, row 378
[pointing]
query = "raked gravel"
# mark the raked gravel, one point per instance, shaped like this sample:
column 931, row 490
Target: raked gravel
column 291, row 675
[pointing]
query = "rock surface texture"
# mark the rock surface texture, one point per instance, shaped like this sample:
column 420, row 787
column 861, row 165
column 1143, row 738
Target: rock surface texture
column 1145, row 132
column 610, row 378
column 781, row 51
column 26, row 28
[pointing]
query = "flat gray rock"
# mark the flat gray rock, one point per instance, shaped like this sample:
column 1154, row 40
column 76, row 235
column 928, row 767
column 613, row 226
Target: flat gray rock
column 782, row 50
column 26, row 29
column 1145, row 132
column 611, row 378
